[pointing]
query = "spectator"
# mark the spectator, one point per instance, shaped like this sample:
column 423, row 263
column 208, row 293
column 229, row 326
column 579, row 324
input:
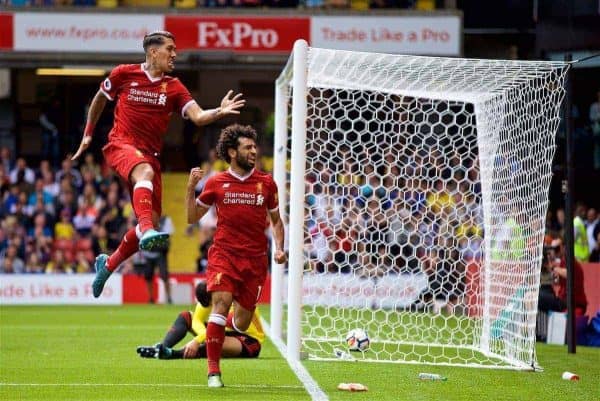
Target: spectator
column 101, row 243
column 40, row 193
column 560, row 222
column 34, row 265
column 82, row 265
column 90, row 166
column 446, row 280
column 84, row 219
column 11, row 199
column 207, row 236
column 582, row 252
column 552, row 227
column 554, row 297
column 66, row 200
column 592, row 224
column 50, row 122
column 40, row 207
column 90, row 199
column 4, row 182
column 6, row 159
column 59, row 264
column 69, row 172
column 595, row 254
column 154, row 260
column 22, row 174
column 50, row 185
column 40, row 227
column 89, row 179
column 10, row 262
column 64, row 229
column 20, row 210
column 3, row 240
column 595, row 127
column 44, row 167
column 111, row 216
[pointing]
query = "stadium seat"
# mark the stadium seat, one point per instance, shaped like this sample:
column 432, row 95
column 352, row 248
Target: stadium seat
column 66, row 246
column 184, row 3
column 147, row 3
column 85, row 245
column 425, row 5
column 359, row 5
column 107, row 3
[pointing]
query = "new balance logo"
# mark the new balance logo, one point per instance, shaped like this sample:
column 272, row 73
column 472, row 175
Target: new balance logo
column 226, row 185
column 134, row 84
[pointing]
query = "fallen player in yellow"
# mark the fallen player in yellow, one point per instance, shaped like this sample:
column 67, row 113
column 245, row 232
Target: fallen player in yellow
column 236, row 345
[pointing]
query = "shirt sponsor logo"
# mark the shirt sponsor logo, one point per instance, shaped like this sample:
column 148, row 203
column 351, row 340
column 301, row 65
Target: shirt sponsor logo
column 147, row 97
column 243, row 198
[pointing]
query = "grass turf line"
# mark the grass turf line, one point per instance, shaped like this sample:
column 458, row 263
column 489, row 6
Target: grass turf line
column 72, row 345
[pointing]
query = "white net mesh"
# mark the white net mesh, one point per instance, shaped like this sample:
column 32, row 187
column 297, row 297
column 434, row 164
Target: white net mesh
column 426, row 191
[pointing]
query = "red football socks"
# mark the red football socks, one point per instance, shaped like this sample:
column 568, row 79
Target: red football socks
column 128, row 246
column 142, row 204
column 215, row 336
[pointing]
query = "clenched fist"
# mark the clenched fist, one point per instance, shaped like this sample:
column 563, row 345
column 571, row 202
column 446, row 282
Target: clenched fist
column 196, row 175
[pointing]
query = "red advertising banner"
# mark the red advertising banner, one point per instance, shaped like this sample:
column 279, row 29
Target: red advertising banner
column 182, row 289
column 6, row 31
column 238, row 34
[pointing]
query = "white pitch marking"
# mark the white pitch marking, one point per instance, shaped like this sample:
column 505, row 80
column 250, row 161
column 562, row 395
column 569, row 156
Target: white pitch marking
column 311, row 386
column 261, row 386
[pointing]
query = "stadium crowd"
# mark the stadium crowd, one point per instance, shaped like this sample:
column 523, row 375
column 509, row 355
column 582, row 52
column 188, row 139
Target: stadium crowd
column 57, row 220
column 405, row 214
column 340, row 4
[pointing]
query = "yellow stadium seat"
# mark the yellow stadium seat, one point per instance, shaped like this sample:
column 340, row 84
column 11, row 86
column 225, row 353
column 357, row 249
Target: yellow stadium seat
column 359, row 5
column 184, row 3
column 107, row 3
column 425, row 5
column 147, row 3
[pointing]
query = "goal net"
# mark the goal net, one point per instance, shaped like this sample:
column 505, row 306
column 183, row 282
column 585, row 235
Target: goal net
column 415, row 190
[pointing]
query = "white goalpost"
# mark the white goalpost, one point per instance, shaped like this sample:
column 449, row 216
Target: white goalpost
column 414, row 191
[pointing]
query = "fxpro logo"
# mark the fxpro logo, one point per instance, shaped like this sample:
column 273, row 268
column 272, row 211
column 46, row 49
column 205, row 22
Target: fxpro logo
column 237, row 35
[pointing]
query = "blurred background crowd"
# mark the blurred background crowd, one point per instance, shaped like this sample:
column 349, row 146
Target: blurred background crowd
column 339, row 4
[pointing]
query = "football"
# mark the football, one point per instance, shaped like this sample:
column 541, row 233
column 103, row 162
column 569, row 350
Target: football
column 357, row 340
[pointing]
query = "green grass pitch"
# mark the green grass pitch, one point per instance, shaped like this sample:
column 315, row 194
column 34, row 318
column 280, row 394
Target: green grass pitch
column 88, row 353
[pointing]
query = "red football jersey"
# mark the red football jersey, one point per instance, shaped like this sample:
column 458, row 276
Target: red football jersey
column 242, row 205
column 144, row 105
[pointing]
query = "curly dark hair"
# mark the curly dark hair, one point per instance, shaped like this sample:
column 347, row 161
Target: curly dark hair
column 229, row 139
column 156, row 38
column 202, row 294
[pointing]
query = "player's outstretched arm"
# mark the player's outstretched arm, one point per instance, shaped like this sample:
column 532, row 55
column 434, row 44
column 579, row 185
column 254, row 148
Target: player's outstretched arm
column 96, row 108
column 278, row 236
column 230, row 105
column 194, row 211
